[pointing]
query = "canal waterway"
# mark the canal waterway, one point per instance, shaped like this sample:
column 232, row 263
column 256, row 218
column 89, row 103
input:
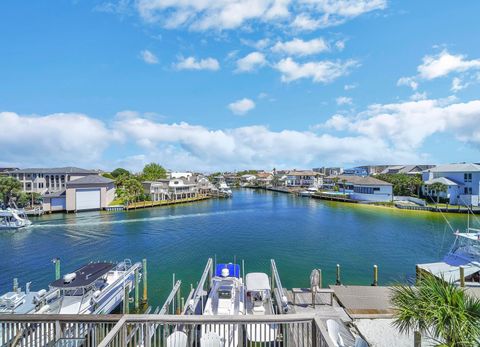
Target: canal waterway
column 255, row 225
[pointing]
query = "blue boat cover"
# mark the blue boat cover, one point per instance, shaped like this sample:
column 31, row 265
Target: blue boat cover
column 233, row 269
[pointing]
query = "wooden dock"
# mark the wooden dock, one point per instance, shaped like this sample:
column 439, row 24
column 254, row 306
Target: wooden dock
column 145, row 204
column 334, row 197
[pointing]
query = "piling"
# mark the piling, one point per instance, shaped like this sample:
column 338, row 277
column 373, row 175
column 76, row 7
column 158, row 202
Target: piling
column 462, row 276
column 375, row 276
column 338, row 282
column 417, row 339
column 320, row 281
column 179, row 303
column 145, row 292
column 56, row 261
column 137, row 289
column 15, row 284
column 126, row 300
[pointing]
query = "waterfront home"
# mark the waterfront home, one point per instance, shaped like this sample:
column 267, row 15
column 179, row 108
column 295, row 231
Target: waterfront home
column 329, row 171
column 303, row 178
column 406, row 169
column 247, row 179
column 91, row 192
column 185, row 175
column 231, row 179
column 204, row 186
column 48, row 180
column 361, row 188
column 461, row 181
column 158, row 190
column 171, row 189
column 263, row 179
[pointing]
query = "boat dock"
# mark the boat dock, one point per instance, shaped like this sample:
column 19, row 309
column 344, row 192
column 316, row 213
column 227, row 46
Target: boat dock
column 334, row 197
column 145, row 204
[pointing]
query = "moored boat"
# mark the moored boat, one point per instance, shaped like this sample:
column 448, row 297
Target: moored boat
column 13, row 219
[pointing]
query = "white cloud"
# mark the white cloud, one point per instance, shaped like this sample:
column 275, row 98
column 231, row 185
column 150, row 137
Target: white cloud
column 458, row 85
column 59, row 138
column 444, row 63
column 148, row 57
column 242, row 106
column 319, row 71
column 340, row 44
column 251, row 62
column 300, row 47
column 418, row 96
column 343, row 100
column 231, row 14
column 191, row 63
column 350, row 86
column 408, row 81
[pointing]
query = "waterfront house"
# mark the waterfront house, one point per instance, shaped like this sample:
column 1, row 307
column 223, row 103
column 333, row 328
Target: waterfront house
column 303, row 178
column 329, row 171
column 406, row 169
column 462, row 183
column 91, row 192
column 158, row 190
column 43, row 180
column 263, row 179
column 361, row 188
column 247, row 179
column 185, row 175
column 171, row 189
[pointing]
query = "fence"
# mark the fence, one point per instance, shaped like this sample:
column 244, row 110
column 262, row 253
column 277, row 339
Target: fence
column 163, row 330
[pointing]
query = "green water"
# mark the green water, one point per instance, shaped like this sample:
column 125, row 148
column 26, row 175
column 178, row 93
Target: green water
column 299, row 233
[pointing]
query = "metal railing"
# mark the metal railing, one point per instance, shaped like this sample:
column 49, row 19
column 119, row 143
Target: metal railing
column 163, row 330
column 46, row 330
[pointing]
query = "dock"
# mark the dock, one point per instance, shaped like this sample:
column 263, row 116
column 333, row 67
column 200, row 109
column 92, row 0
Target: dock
column 334, row 197
column 146, row 204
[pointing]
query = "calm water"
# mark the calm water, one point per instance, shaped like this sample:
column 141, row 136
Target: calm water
column 300, row 233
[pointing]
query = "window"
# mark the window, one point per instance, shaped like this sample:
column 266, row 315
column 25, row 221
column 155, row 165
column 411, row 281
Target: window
column 467, row 177
column 467, row 190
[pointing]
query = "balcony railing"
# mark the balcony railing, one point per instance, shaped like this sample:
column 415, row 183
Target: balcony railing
column 162, row 330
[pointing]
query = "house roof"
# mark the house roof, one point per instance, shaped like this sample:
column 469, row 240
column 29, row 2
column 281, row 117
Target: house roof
column 406, row 168
column 464, row 167
column 91, row 179
column 263, row 175
column 359, row 180
column 57, row 170
column 303, row 173
column 54, row 194
column 442, row 180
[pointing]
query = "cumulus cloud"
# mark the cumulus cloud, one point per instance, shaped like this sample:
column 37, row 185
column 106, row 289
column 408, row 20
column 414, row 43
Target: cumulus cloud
column 319, row 71
column 148, row 57
column 444, row 63
column 408, row 81
column 242, row 106
column 300, row 47
column 232, row 14
column 251, row 62
column 343, row 100
column 191, row 63
column 458, row 85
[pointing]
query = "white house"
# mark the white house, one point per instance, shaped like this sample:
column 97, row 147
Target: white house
column 362, row 188
column 170, row 189
column 303, row 178
column 462, row 181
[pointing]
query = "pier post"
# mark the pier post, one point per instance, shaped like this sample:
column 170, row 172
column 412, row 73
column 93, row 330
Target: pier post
column 375, row 276
column 15, row 284
column 137, row 289
column 338, row 282
column 144, row 269
column 56, row 261
column 125, row 300
column 179, row 301
column 462, row 276
column 417, row 339
column 320, row 281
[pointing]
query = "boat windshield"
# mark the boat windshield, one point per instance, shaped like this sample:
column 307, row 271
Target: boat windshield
column 467, row 246
column 225, row 292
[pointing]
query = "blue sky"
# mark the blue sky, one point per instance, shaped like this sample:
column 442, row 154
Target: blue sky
column 233, row 84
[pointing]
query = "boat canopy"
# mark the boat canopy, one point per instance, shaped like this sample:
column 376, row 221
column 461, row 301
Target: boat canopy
column 84, row 276
column 233, row 270
column 257, row 281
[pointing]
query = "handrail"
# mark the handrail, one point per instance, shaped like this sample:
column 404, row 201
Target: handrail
column 280, row 296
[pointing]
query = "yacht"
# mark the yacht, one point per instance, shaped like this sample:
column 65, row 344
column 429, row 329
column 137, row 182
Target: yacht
column 308, row 192
column 259, row 302
column 13, row 219
column 25, row 302
column 96, row 288
column 226, row 298
column 464, row 252
column 224, row 189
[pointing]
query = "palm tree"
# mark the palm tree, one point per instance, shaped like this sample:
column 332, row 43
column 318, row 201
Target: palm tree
column 335, row 183
column 344, row 182
column 438, row 188
column 438, row 309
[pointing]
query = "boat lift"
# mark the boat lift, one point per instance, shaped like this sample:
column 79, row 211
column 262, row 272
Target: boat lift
column 277, row 288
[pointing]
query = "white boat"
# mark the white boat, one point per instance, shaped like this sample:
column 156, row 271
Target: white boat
column 25, row 302
column 464, row 252
column 96, row 288
column 259, row 302
column 308, row 192
column 226, row 298
column 13, row 219
column 223, row 188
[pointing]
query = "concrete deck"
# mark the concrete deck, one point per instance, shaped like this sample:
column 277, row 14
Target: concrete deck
column 364, row 301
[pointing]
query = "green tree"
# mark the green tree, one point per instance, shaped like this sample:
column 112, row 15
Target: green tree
column 437, row 188
column 403, row 184
column 132, row 190
column 9, row 188
column 335, row 183
column 119, row 171
column 108, row 175
column 152, row 172
column 344, row 183
column 438, row 309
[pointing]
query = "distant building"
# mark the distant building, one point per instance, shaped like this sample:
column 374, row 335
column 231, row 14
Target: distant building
column 361, row 188
column 4, row 170
column 263, row 179
column 356, row 171
column 186, row 175
column 406, row 169
column 462, row 183
column 329, row 171
column 373, row 169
